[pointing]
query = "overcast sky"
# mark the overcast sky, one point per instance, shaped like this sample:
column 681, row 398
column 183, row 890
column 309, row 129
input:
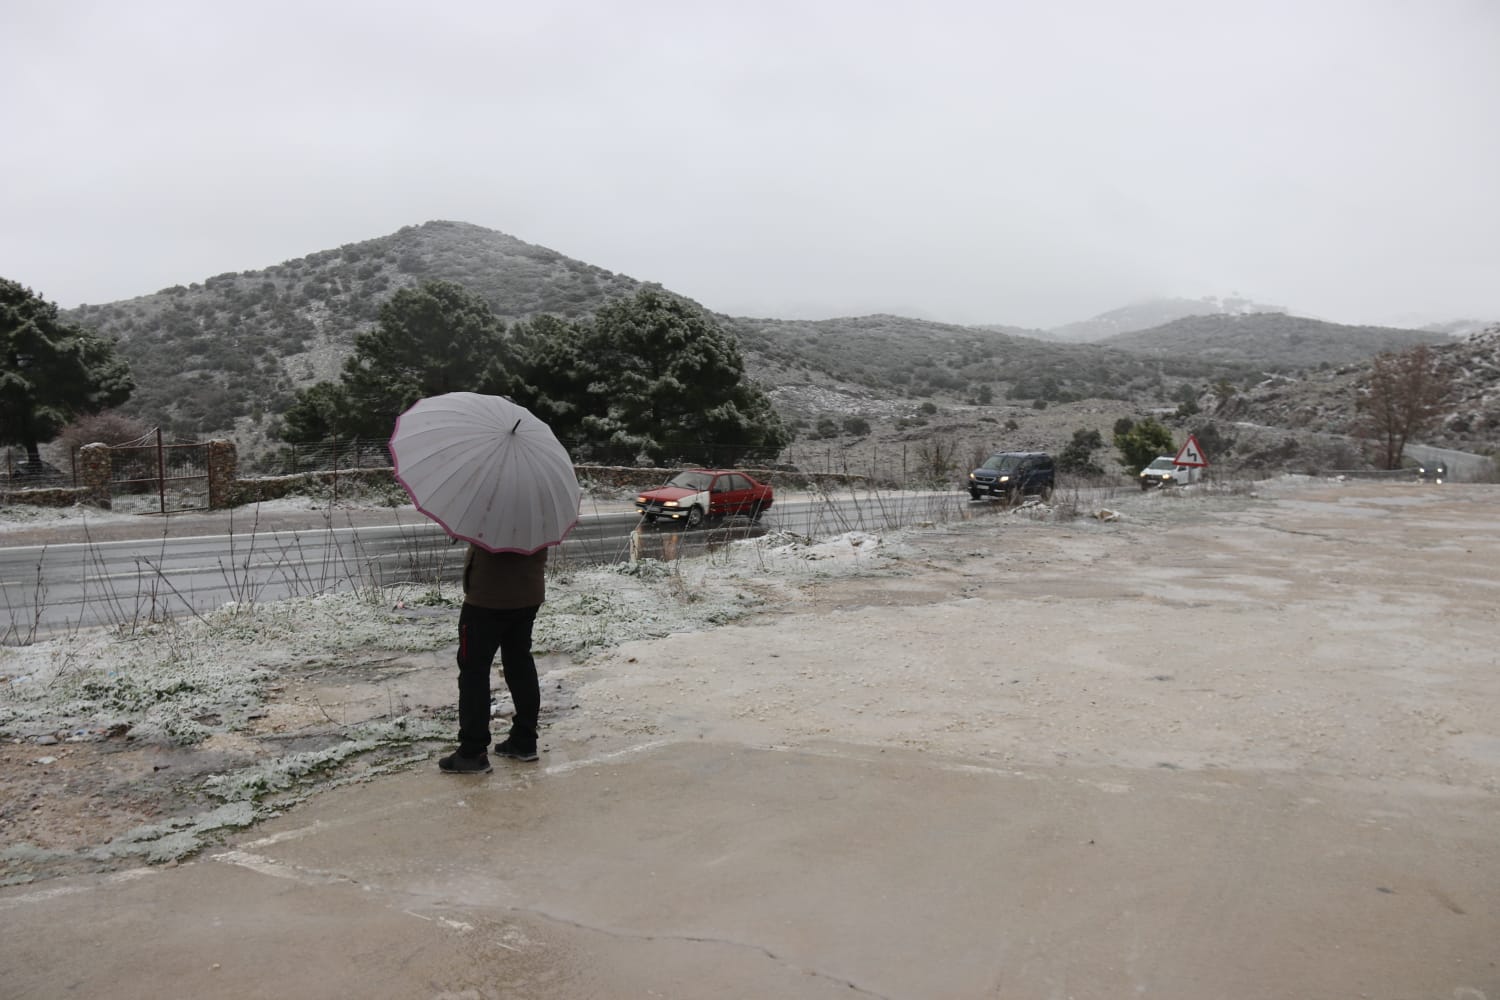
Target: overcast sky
column 976, row 162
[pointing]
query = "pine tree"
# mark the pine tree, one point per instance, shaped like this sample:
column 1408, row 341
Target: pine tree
column 1141, row 443
column 50, row 372
column 431, row 339
column 654, row 377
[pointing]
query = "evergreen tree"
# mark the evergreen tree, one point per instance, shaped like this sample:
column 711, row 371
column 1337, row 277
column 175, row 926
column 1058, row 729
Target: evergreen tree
column 50, row 372
column 1078, row 456
column 546, row 373
column 1141, row 443
column 650, row 377
column 431, row 339
column 318, row 412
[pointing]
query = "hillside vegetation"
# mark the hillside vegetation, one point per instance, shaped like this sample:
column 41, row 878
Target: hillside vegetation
column 1326, row 401
column 906, row 358
column 239, row 344
column 225, row 356
column 1274, row 342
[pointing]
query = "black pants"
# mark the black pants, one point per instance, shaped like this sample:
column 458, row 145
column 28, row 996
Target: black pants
column 482, row 631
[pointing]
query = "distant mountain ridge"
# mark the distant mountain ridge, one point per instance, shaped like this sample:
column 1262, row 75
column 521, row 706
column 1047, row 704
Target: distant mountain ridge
column 1270, row 340
column 226, row 356
column 1153, row 313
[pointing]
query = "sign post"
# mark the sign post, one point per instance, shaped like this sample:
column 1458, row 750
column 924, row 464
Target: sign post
column 1191, row 456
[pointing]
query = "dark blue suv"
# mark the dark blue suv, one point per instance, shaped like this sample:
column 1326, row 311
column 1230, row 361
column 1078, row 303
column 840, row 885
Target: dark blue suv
column 1011, row 475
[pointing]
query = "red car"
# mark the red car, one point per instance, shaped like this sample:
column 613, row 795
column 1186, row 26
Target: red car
column 694, row 495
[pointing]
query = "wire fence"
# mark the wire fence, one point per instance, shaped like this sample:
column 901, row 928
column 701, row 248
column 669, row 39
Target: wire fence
column 18, row 470
column 331, row 455
column 338, row 454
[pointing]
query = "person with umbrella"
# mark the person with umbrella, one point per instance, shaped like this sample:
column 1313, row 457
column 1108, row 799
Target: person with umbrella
column 503, row 591
column 493, row 475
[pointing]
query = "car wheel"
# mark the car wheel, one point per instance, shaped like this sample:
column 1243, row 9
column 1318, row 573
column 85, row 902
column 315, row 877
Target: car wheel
column 650, row 518
column 756, row 510
column 975, row 495
column 1046, row 492
column 1145, row 486
column 695, row 517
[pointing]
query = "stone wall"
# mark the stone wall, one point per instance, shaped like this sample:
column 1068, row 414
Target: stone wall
column 46, row 496
column 245, row 491
column 93, row 472
column 226, row 489
column 629, row 477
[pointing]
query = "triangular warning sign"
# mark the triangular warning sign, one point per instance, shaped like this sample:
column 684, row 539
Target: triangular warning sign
column 1191, row 456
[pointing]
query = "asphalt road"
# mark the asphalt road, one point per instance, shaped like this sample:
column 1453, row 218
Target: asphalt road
column 46, row 589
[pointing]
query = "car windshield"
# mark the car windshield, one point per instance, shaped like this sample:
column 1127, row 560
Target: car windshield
column 1161, row 463
column 1002, row 463
column 691, row 480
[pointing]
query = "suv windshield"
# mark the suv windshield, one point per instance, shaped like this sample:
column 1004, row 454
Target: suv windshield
column 1002, row 463
column 1161, row 463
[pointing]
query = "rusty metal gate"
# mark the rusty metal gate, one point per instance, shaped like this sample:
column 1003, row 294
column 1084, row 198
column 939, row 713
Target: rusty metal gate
column 151, row 477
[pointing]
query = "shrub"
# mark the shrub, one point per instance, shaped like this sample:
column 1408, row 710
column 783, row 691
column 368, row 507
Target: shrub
column 108, row 427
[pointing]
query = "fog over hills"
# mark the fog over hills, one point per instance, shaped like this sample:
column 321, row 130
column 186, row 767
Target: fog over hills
column 1154, row 313
column 1270, row 340
column 226, row 355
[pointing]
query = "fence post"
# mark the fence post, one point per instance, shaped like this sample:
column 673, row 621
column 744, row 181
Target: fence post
column 95, row 462
column 161, row 474
column 223, row 470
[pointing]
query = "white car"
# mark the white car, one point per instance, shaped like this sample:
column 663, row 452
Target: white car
column 1164, row 471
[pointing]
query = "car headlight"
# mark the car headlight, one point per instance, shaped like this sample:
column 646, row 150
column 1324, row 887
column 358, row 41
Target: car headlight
column 1005, row 479
column 971, row 477
column 640, row 500
column 669, row 503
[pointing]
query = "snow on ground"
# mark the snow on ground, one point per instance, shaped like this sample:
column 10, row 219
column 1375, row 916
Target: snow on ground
column 26, row 517
column 159, row 678
column 197, row 680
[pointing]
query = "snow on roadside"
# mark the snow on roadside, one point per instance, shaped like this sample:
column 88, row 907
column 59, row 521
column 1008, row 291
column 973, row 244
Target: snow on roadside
column 194, row 678
column 186, row 681
column 159, row 681
column 25, row 517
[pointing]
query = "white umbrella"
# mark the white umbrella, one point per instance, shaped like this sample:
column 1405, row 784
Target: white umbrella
column 487, row 470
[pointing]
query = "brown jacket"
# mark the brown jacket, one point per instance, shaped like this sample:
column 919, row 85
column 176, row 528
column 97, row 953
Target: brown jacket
column 505, row 580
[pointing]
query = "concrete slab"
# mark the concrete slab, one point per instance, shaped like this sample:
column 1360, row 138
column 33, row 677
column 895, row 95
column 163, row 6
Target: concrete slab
column 697, row 869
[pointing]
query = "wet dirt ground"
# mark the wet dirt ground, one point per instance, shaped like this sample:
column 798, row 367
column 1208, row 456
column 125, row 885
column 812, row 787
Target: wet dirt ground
column 1244, row 748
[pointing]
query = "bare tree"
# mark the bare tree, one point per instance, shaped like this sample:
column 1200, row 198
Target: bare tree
column 1404, row 395
column 937, row 460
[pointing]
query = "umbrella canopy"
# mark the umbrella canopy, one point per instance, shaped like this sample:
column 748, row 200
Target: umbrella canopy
column 487, row 470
